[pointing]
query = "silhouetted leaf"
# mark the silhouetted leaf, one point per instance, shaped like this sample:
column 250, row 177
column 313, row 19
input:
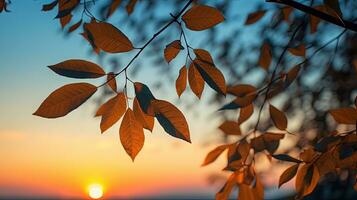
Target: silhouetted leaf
column 112, row 81
column 254, row 17
column 108, row 38
column 201, row 17
column 65, row 99
column 213, row 155
column 267, row 141
column 288, row 174
column 230, row 128
column 265, row 56
column 212, row 75
column 333, row 7
column 146, row 121
column 76, row 68
column 346, row 115
column 195, row 80
column 171, row 119
column 285, row 157
column 65, row 7
column 50, row 6
column 298, row 51
column 131, row 134
column 245, row 113
column 144, row 96
column 292, row 74
column 181, row 81
column 172, row 49
column 112, row 111
column 278, row 117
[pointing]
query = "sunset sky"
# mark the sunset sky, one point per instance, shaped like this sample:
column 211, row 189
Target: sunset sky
column 61, row 157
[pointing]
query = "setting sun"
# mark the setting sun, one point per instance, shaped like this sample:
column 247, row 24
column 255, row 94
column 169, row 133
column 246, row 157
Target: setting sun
column 95, row 191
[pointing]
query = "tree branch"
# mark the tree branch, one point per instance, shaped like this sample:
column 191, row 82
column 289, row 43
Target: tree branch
column 312, row 11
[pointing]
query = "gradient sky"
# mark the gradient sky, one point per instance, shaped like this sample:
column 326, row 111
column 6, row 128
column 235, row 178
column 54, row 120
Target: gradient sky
column 60, row 158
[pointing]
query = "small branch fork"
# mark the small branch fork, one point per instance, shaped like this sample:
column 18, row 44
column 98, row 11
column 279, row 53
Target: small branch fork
column 312, row 11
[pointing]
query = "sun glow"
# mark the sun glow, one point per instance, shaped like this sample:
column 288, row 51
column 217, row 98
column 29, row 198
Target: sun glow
column 95, row 191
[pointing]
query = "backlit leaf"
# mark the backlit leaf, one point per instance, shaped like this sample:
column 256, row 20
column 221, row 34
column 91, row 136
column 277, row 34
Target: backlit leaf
column 172, row 49
column 195, row 80
column 245, row 113
column 65, row 7
column 307, row 178
column 131, row 134
column 146, row 121
column 230, row 128
column 298, row 51
column 76, row 68
column 75, row 26
column 181, row 81
column 65, row 99
column 201, row 17
column 225, row 191
column 212, row 75
column 203, row 56
column 265, row 56
column 213, row 155
column 288, row 174
column 346, row 115
column 278, row 117
column 112, row 111
column 112, row 81
column 254, row 17
column 108, row 38
column 171, row 119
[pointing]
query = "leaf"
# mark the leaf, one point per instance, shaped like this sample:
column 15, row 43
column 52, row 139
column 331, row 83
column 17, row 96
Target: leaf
column 307, row 155
column 268, row 141
column 87, row 35
column 265, row 56
column 114, row 4
column 278, row 117
column 212, row 75
column 203, row 56
column 346, row 115
column 75, row 26
column 112, row 81
column 65, row 99
column 285, row 157
column 146, row 121
column 333, row 7
column 130, row 6
column 306, row 179
column 298, row 51
column 315, row 21
column 245, row 113
column 108, row 38
column 213, row 155
column 240, row 102
column 112, row 111
column 131, row 134
column 65, row 20
column 254, row 17
column 225, row 191
column 76, row 68
column 195, row 80
column 172, row 49
column 171, row 119
column 65, row 7
column 241, row 90
column 292, row 74
column 288, row 174
column 181, row 81
column 50, row 6
column 286, row 11
column 144, row 96
column 201, row 17
column 230, row 128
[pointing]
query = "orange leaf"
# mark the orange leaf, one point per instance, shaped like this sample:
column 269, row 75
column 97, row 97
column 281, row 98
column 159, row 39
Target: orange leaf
column 65, row 20
column 195, row 80
column 74, row 26
column 306, row 179
column 292, row 74
column 225, row 191
column 45, row 7
column 171, row 119
column 131, row 134
column 230, row 128
column 130, row 6
column 112, row 111
column 145, row 97
column 112, row 81
column 278, row 117
column 146, row 121
column 181, row 81
column 286, row 11
column 75, row 68
column 203, row 56
column 298, row 51
column 172, row 49
column 245, row 113
column 265, row 56
column 254, row 17
column 213, row 155
column 315, row 21
column 346, row 115
column 108, row 38
column 65, row 99
column 112, row 7
column 201, row 17
column 212, row 75
column 288, row 174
